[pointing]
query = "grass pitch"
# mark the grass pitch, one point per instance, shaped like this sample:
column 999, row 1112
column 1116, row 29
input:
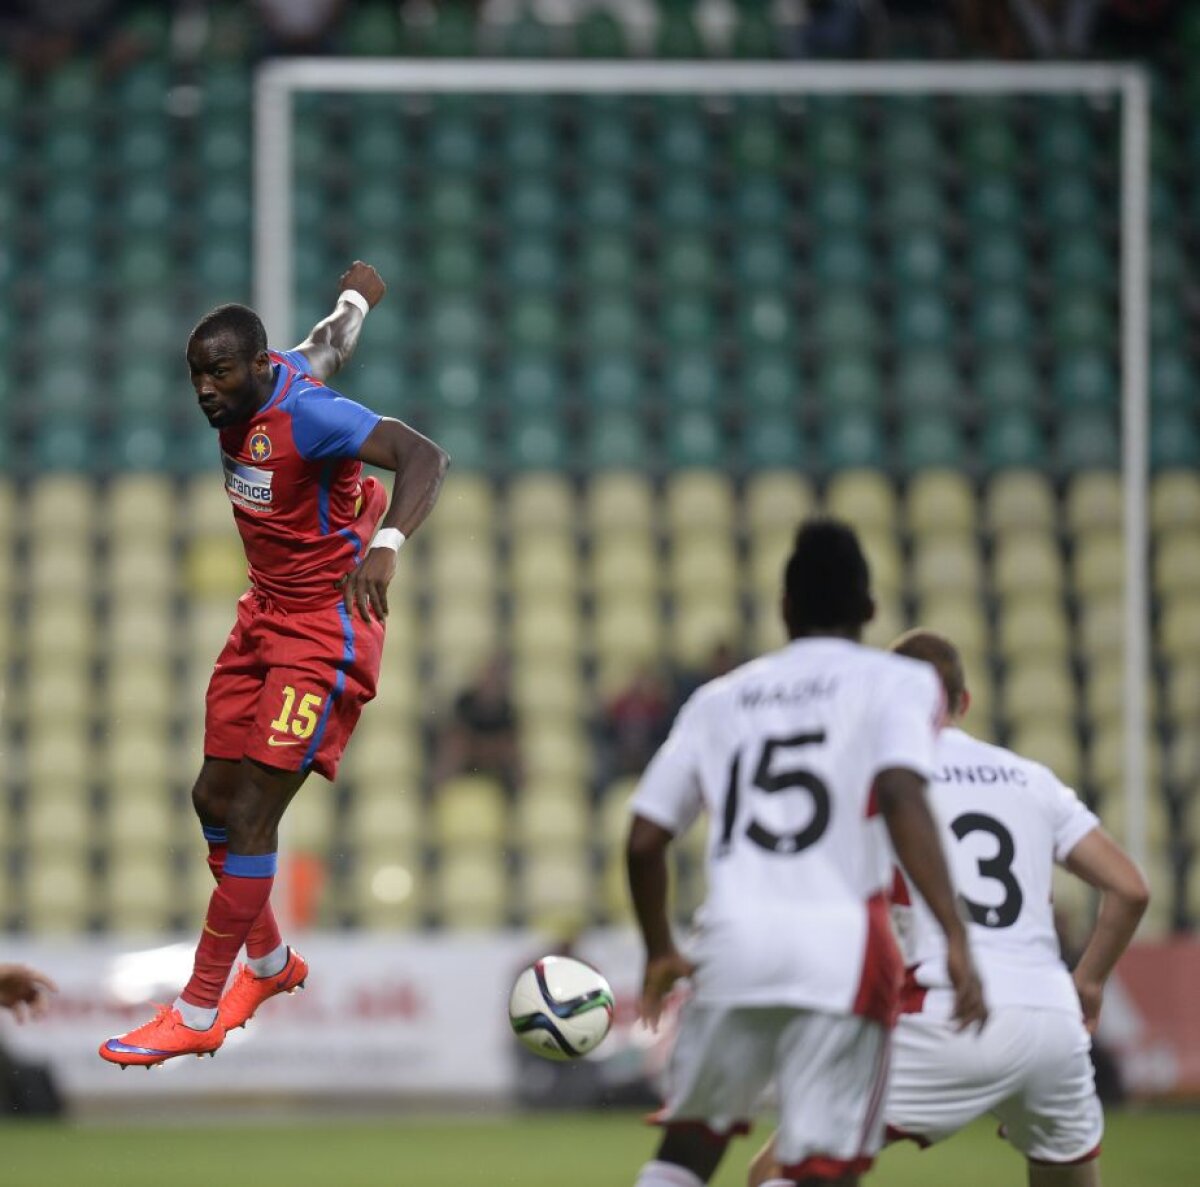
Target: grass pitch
column 567, row 1150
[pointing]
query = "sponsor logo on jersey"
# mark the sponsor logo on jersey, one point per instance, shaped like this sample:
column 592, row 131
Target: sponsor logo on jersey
column 260, row 446
column 247, row 486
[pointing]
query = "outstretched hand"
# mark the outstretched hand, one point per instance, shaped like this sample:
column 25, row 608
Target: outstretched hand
column 362, row 278
column 661, row 974
column 366, row 586
column 24, row 990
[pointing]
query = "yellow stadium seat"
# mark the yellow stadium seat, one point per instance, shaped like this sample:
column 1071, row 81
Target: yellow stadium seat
column 699, row 500
column 150, row 628
column 940, row 501
column 544, row 562
column 135, row 824
column 1179, row 629
column 889, row 621
column 1027, row 561
column 1098, row 567
column 470, row 810
column 546, row 626
column 1104, row 692
column 61, row 560
column 768, row 555
column 206, row 627
column 384, row 817
column 59, row 755
column 553, row 752
column 58, row 502
column 1183, row 692
column 701, row 624
column 701, row 563
column 1101, row 626
column 386, row 890
column 215, row 566
column 385, row 755
column 463, row 631
column 461, row 563
column 471, row 889
column 59, row 895
column 865, row 499
column 624, row 564
column 554, row 891
column 1106, row 762
column 1183, row 761
column 466, row 507
column 613, row 813
column 140, row 687
column 554, row 814
column 1175, row 500
column 982, row 690
column 1020, row 499
column 540, row 502
column 620, row 501
column 1039, row 691
column 10, row 518
column 58, row 694
column 142, row 568
column 766, row 630
column 1094, row 502
column 963, row 620
column 206, row 508
column 61, row 629
column 1177, row 562
column 60, row 818
column 882, row 551
column 614, row 890
column 1053, row 743
column 1074, row 906
column 1032, row 625
column 309, row 822
column 776, row 502
column 628, row 629
column 136, row 754
column 141, row 896
column 142, row 507
column 946, row 564
column 547, row 686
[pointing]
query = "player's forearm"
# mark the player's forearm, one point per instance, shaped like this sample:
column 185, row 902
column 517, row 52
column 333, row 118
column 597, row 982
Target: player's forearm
column 1116, row 922
column 332, row 341
column 420, row 467
column 647, row 870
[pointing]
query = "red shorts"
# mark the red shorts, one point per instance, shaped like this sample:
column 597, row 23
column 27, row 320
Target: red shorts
column 287, row 688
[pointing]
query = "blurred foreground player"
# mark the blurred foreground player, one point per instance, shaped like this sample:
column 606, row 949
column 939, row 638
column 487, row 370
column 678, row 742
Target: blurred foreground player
column 806, row 760
column 24, row 991
column 303, row 657
column 1006, row 821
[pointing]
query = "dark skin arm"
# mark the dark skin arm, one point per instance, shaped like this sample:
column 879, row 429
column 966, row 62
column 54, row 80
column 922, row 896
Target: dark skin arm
column 646, row 863
column 901, row 796
column 332, row 341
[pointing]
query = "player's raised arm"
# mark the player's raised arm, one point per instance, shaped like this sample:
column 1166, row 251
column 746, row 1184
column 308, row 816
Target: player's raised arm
column 331, row 342
column 901, row 797
column 419, row 466
column 1102, row 863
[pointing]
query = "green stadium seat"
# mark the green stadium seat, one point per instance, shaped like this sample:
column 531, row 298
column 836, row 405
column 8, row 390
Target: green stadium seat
column 610, row 323
column 692, row 379
column 763, row 260
column 1080, row 260
column 1069, row 201
column 685, row 200
column 688, row 321
column 1174, row 440
column 843, row 320
column 464, row 438
column 1172, row 380
column 852, row 440
column 927, row 382
column 755, row 37
column 142, row 89
column 1007, row 380
column 914, row 202
column 998, row 260
column 1064, row 142
column 607, row 144
column 850, row 380
column 457, row 323
column 71, row 265
column 683, row 139
column 772, row 440
column 616, row 442
column 607, row 260
column 1088, row 439
column 833, row 142
column 924, row 320
column 1085, row 379
column 840, row 203
column 1002, row 320
column 534, row 325
column 843, row 260
column 607, row 203
column 910, row 142
column 930, row 440
column 1012, row 439
column 530, row 262
column 538, row 441
column 70, row 150
column 451, row 34
column 1082, row 320
column 989, row 144
column 599, row 34
column 528, row 145
column 452, row 205
column 531, row 383
column 456, row 383
column 770, row 381
column 144, row 264
column 678, row 37
column 755, row 140
column 994, row 203
column 614, row 381
column 531, row 204
column 686, row 262
column 694, row 437
column 919, row 258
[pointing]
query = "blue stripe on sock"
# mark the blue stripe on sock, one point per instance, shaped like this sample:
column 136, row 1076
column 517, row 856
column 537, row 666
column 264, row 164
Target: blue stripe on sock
column 256, row 865
column 215, row 836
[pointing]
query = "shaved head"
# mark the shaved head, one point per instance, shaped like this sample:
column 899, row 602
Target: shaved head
column 937, row 650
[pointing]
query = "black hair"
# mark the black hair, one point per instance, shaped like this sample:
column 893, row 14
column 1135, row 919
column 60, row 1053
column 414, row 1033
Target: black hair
column 827, row 583
column 240, row 322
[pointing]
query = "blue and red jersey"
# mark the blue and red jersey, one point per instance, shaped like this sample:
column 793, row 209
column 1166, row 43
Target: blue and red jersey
column 299, row 500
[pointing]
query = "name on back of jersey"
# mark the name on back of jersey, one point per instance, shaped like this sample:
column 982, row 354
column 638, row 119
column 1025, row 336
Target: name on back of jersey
column 980, row 773
column 247, row 486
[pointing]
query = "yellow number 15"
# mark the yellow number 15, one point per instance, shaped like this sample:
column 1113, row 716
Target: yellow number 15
column 304, row 721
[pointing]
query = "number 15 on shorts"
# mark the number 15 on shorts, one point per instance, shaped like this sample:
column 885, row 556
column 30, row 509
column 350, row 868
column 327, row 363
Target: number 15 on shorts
column 297, row 719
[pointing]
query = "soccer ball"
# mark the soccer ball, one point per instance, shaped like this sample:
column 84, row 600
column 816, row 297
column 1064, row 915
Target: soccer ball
column 560, row 1008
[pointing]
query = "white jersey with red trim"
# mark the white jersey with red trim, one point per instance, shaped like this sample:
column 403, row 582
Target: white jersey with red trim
column 1006, row 820
column 782, row 753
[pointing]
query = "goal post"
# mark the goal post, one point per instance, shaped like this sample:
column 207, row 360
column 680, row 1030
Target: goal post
column 279, row 80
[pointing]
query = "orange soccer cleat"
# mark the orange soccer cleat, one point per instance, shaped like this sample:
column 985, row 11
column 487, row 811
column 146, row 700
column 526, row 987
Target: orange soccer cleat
column 248, row 992
column 163, row 1037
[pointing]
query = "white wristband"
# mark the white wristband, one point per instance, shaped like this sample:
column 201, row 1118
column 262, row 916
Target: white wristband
column 355, row 298
column 391, row 538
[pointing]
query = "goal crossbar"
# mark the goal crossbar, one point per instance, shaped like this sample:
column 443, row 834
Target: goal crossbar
column 277, row 81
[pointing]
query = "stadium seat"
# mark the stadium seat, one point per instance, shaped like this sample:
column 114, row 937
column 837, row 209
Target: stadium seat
column 699, row 500
column 863, row 498
column 945, row 563
column 1028, row 561
column 961, row 618
column 1175, row 500
column 382, row 819
column 385, row 755
column 1179, row 630
column 619, row 501
column 1039, row 693
column 1177, row 563
column 776, row 500
column 1094, row 502
column 1020, row 499
column 554, row 891
column 470, row 890
column 1100, row 622
column 1098, row 564
column 1032, row 625
column 546, row 627
column 59, row 895
column 1054, row 743
column 469, row 811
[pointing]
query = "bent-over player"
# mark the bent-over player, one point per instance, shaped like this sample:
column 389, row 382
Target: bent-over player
column 806, row 760
column 303, row 657
column 1006, row 821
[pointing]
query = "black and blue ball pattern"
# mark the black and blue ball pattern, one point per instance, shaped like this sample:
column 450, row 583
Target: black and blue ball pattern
column 561, row 1008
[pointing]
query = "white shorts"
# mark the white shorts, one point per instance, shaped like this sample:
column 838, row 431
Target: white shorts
column 830, row 1071
column 1029, row 1068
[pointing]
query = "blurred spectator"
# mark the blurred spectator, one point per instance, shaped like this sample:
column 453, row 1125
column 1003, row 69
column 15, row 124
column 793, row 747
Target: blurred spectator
column 298, row 26
column 834, row 29
column 482, row 736
column 635, row 722
column 24, row 991
column 40, row 35
column 1057, row 28
column 721, row 659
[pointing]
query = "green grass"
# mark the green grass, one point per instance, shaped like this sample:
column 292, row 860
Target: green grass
column 569, row 1150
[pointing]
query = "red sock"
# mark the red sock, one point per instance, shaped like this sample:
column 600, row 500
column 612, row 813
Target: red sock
column 236, row 904
column 263, row 937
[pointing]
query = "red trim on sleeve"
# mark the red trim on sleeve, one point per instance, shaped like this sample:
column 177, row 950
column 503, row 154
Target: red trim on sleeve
column 878, row 996
column 820, row 1167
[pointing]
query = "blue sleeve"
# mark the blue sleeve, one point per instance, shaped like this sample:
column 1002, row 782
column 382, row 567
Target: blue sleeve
column 326, row 425
column 297, row 359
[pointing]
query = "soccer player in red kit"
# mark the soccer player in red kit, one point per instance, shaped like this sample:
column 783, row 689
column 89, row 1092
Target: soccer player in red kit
column 303, row 656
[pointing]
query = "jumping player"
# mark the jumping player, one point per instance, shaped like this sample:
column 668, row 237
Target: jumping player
column 807, row 760
column 1006, row 821
column 303, row 657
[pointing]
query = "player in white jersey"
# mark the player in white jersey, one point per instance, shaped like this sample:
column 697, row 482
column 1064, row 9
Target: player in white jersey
column 806, row 760
column 1006, row 822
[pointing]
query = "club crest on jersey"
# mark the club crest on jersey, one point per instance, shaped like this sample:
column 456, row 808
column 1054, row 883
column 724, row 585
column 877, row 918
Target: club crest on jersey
column 248, row 487
column 260, row 446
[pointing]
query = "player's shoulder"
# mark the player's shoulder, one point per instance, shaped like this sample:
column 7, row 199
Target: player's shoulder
column 956, row 747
